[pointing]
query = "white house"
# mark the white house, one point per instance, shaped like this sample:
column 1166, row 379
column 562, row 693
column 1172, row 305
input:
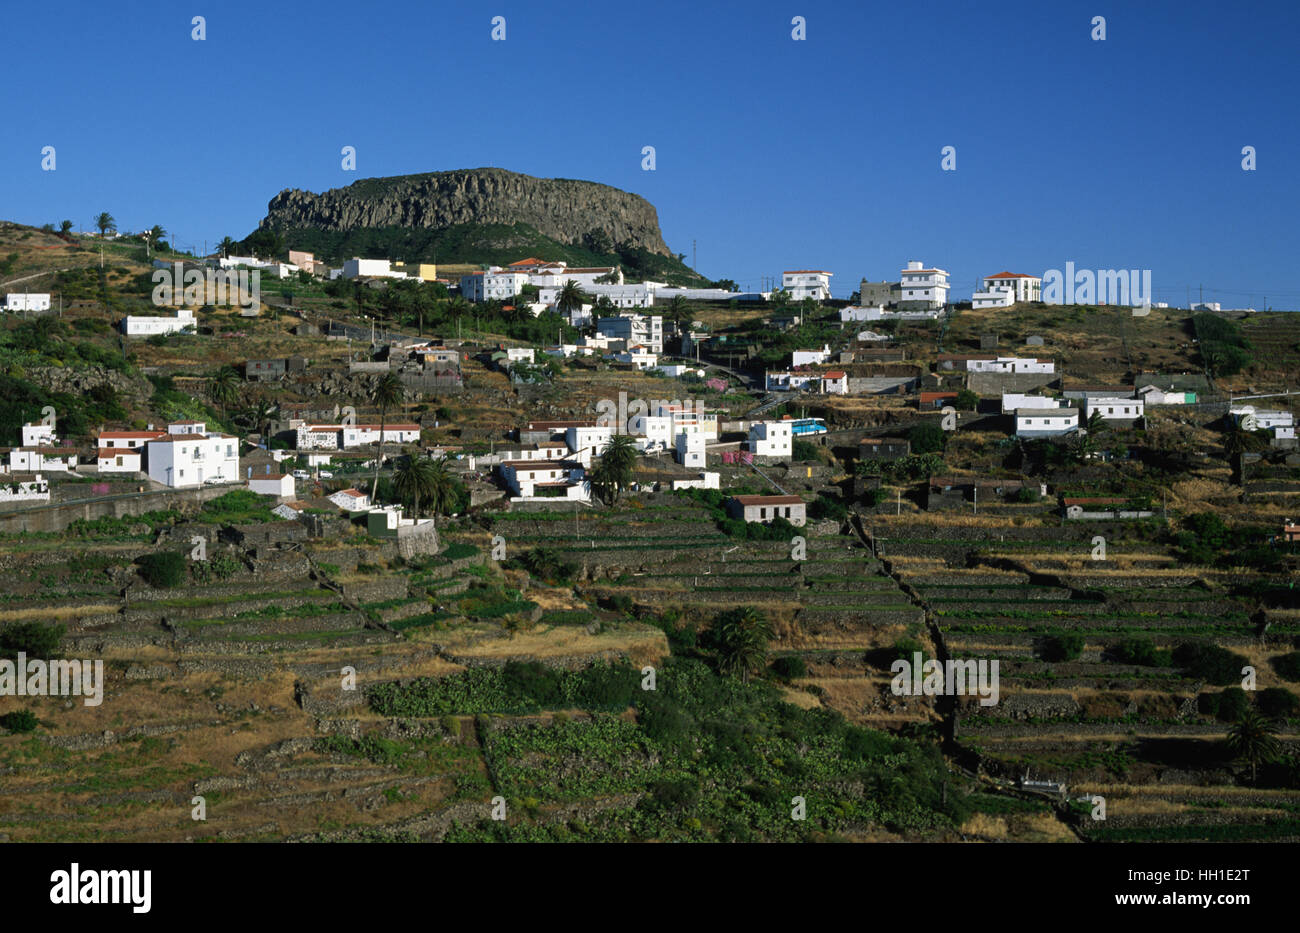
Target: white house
column 42, row 460
column 520, row 354
column 531, row 480
column 807, row 283
column 638, row 358
column 1250, row 418
column 676, row 370
column 706, row 480
column 690, row 449
column 810, row 357
column 128, row 440
column 654, row 432
column 835, row 382
column 1008, row 288
column 855, row 313
column 588, row 441
column 644, row 329
column 1114, row 409
column 356, row 268
column 1014, row 400
column 771, row 439
column 347, row 437
column 39, row 434
column 189, row 456
column 27, row 301
column 1044, row 422
column 141, row 326
column 923, row 288
column 789, row 382
column 1010, row 364
column 351, row 500
column 690, row 418
column 35, row 490
column 272, row 484
column 1154, row 395
column 119, row 459
column 494, row 284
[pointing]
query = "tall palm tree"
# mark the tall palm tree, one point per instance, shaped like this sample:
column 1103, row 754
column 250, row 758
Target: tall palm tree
column 614, row 472
column 678, row 309
column 386, row 392
column 412, row 482
column 1250, row 739
column 223, row 387
column 570, row 298
column 225, row 246
column 105, row 223
column 742, row 639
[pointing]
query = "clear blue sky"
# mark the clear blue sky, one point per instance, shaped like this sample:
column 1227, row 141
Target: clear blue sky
column 772, row 153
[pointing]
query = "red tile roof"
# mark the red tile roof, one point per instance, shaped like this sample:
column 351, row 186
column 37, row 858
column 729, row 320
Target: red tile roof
column 768, row 500
column 108, row 453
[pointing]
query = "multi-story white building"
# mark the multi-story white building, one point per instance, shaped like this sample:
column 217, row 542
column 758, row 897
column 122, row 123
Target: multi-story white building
column 142, row 326
column 771, row 439
column 922, row 288
column 1114, row 409
column 653, row 432
column 691, row 419
column 564, row 480
column 187, row 455
column 1021, row 287
column 807, row 283
column 494, row 284
column 27, row 301
column 1046, row 422
column 690, row 449
column 638, row 358
column 1011, row 401
column 629, row 295
column 644, row 329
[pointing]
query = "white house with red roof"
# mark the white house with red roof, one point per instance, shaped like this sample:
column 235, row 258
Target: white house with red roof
column 835, row 382
column 807, row 283
column 351, row 500
column 1008, row 288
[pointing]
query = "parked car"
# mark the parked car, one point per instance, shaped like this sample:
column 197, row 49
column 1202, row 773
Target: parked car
column 325, row 474
column 301, row 474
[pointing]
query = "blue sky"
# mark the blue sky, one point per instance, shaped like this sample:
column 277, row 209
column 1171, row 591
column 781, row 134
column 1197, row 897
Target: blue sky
column 771, row 153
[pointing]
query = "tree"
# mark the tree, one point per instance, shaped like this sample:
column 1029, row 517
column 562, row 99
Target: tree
column 420, row 480
column 570, row 298
column 927, row 437
column 223, row 387
column 742, row 637
column 105, row 223
column 65, row 227
column 1250, row 739
column 614, row 472
column 966, row 400
column 34, row 639
column 386, row 392
column 225, row 246
column 678, row 309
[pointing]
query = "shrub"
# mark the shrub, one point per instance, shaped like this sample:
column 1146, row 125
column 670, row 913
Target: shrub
column 1064, row 647
column 789, row 667
column 966, row 400
column 23, row 720
column 31, row 638
column 927, row 438
column 1140, row 650
column 163, row 569
column 1287, row 666
column 1233, row 702
column 1210, row 663
column 1277, row 702
column 458, row 550
column 803, row 450
column 532, row 681
column 826, row 507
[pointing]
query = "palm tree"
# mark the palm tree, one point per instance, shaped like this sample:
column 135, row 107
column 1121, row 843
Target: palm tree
column 742, row 639
column 223, row 387
column 678, row 309
column 1250, row 739
column 570, row 298
column 411, row 482
column 65, row 227
column 105, row 223
column 225, row 246
column 384, row 394
column 614, row 472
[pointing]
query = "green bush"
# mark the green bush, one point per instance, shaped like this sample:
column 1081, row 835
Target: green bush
column 1140, row 650
column 1287, row 666
column 1208, row 662
column 23, row 720
column 1064, row 647
column 927, row 438
column 1277, row 702
column 789, row 667
column 1233, row 702
column 33, row 639
column 163, row 569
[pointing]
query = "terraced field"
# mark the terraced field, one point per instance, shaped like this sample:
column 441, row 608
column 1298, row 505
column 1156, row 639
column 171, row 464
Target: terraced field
column 1131, row 732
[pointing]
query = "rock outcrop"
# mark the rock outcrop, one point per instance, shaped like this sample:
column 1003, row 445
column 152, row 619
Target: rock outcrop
column 560, row 208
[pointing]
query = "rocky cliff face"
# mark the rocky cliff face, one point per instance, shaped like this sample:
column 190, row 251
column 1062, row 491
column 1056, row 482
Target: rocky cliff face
column 562, row 209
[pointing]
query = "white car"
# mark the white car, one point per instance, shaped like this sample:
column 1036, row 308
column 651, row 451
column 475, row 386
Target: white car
column 325, row 474
column 301, row 474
